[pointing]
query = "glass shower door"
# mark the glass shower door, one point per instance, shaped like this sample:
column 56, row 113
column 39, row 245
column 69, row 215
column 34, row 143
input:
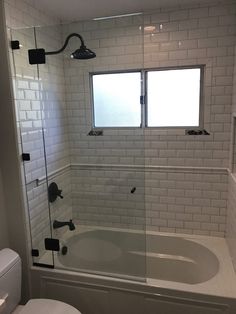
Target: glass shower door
column 30, row 129
column 57, row 153
column 99, row 216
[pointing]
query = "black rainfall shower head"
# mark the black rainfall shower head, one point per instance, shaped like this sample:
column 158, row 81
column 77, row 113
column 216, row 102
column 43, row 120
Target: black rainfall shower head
column 37, row 56
column 83, row 53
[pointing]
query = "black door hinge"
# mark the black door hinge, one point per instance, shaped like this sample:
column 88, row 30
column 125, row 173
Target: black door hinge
column 34, row 252
column 25, row 157
column 52, row 244
column 15, row 44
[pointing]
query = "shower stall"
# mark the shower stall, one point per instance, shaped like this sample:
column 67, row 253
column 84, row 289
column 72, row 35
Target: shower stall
column 79, row 181
column 109, row 195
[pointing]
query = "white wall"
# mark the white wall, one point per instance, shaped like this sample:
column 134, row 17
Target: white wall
column 4, row 241
column 189, row 36
column 231, row 219
column 181, row 194
column 9, row 161
column 23, row 13
column 184, row 177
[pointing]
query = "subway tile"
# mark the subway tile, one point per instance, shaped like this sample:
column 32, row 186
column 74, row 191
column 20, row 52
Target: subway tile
column 179, row 35
column 179, row 15
column 199, row 13
column 186, row 36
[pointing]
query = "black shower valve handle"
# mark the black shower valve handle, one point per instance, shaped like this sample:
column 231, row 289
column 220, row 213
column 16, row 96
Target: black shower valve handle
column 54, row 192
column 59, row 194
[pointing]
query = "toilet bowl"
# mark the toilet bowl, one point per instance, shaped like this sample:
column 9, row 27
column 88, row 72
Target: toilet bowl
column 10, row 291
column 43, row 306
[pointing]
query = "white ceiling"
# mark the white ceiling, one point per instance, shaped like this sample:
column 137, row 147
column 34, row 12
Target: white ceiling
column 74, row 10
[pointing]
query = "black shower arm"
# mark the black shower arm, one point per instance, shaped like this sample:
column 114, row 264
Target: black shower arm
column 66, row 43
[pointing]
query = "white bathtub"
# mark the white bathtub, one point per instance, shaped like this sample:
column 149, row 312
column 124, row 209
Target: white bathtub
column 132, row 254
column 176, row 269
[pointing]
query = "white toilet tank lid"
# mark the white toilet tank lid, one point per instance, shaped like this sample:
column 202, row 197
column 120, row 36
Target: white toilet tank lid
column 42, row 306
column 8, row 258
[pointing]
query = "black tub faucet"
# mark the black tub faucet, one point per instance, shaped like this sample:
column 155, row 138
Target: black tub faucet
column 58, row 224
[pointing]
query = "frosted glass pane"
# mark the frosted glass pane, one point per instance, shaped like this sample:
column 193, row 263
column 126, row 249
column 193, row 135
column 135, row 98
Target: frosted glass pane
column 173, row 98
column 116, row 99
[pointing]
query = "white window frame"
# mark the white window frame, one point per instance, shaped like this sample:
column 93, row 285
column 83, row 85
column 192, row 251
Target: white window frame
column 144, row 100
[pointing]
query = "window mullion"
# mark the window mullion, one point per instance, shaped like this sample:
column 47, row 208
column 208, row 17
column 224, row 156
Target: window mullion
column 143, row 99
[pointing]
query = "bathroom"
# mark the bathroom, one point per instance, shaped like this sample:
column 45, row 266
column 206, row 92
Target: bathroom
column 138, row 183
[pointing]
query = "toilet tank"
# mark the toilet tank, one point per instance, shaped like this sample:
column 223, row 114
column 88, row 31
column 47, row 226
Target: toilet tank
column 10, row 279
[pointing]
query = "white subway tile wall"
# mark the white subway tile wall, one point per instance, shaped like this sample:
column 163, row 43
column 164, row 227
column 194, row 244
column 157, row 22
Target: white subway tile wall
column 109, row 197
column 23, row 13
column 190, row 36
column 231, row 219
column 231, row 214
column 180, row 195
column 166, row 147
column 186, row 202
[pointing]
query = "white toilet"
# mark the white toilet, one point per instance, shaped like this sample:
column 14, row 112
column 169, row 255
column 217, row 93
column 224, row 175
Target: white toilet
column 10, row 291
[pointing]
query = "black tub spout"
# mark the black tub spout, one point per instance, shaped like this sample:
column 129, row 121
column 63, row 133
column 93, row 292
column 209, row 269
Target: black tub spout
column 58, row 224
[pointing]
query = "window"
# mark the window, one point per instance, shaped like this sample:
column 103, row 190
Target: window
column 172, row 98
column 116, row 99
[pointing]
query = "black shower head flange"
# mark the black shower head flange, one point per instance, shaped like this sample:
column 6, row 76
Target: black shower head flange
column 37, row 56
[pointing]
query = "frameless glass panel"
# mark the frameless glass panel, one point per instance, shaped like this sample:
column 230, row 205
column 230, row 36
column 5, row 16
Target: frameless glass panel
column 55, row 125
column 173, row 97
column 101, row 177
column 31, row 140
column 108, row 211
column 116, row 100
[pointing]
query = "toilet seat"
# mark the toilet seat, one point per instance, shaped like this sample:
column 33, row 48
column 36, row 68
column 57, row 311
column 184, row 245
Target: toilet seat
column 42, row 306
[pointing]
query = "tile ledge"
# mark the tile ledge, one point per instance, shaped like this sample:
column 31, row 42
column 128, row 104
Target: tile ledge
column 141, row 168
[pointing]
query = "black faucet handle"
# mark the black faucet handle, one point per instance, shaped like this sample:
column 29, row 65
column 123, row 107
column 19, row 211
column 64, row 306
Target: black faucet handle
column 54, row 192
column 59, row 194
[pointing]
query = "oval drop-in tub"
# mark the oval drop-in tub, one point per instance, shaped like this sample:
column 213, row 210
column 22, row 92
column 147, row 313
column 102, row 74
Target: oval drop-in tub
column 107, row 270
column 133, row 254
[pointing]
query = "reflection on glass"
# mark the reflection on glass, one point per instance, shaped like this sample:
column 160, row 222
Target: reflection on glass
column 173, row 97
column 116, row 99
